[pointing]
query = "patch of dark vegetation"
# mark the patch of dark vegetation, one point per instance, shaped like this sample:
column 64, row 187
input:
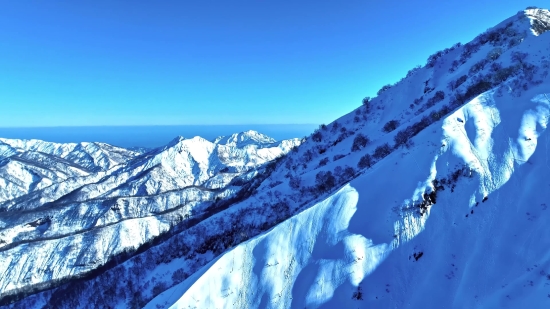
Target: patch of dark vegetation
column 359, row 142
column 323, row 162
column 390, row 126
column 366, row 161
column 384, row 89
column 382, row 151
column 416, row 255
column 433, row 59
column 317, row 136
column 358, row 295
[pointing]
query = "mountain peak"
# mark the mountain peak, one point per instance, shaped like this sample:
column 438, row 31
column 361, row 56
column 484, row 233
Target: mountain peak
column 178, row 139
column 245, row 138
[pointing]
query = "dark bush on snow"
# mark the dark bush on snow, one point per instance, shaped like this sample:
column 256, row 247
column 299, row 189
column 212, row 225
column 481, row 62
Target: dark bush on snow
column 335, row 126
column 323, row 162
column 518, row 57
column 402, row 137
column 159, row 288
column 478, row 66
column 432, row 60
column 384, row 88
column 178, row 276
column 317, row 136
column 337, row 157
column 359, row 142
column 438, row 97
column 412, row 71
column 343, row 175
column 494, row 54
column 502, row 74
column 454, row 66
column 324, row 181
column 478, row 88
column 366, row 161
column 390, row 126
column 454, row 84
column 366, row 103
column 295, row 182
column 469, row 49
column 495, row 67
column 307, row 156
column 492, row 37
column 382, row 151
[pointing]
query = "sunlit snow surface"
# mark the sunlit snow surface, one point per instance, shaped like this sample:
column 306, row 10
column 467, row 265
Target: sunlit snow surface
column 319, row 257
column 484, row 243
column 55, row 225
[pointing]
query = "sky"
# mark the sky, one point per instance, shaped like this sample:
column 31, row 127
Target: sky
column 126, row 63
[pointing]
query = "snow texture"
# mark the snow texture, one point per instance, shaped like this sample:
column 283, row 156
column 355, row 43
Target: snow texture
column 453, row 215
column 69, row 208
column 483, row 243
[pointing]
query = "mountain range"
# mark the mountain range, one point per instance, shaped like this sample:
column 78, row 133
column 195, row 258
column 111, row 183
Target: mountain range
column 433, row 194
column 69, row 209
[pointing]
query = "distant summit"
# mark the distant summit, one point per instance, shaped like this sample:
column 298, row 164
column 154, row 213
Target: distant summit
column 540, row 20
column 60, row 202
column 245, row 138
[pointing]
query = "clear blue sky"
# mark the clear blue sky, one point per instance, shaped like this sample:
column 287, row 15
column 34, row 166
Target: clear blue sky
column 67, row 63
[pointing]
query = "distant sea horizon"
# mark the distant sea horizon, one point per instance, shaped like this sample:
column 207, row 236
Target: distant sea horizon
column 150, row 136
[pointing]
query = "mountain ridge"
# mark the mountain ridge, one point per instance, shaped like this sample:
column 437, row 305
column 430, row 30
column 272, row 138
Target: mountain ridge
column 151, row 191
column 352, row 215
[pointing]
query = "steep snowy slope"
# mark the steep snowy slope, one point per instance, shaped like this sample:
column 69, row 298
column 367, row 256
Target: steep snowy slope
column 483, row 244
column 75, row 226
column 455, row 221
column 377, row 206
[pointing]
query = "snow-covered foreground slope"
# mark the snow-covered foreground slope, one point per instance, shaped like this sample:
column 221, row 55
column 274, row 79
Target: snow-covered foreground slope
column 456, row 221
column 483, row 244
column 79, row 224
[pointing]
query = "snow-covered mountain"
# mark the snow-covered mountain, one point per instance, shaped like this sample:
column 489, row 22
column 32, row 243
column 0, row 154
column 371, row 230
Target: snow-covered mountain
column 30, row 165
column 452, row 215
column 78, row 224
column 431, row 195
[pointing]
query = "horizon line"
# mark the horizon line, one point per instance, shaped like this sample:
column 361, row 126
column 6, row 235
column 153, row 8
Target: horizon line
column 163, row 125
